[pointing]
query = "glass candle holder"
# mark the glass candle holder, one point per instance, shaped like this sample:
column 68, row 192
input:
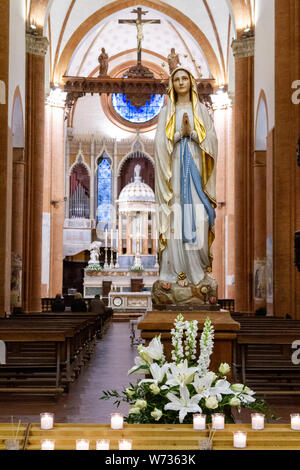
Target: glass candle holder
column 218, row 421
column 12, row 444
column 82, row 444
column 295, row 421
column 257, row 421
column 116, row 421
column 47, row 420
column 205, row 444
column 240, row 439
column 102, row 444
column 47, row 444
column 125, row 444
column 199, row 422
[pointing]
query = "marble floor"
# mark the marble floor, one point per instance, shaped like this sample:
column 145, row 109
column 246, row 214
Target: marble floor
column 106, row 370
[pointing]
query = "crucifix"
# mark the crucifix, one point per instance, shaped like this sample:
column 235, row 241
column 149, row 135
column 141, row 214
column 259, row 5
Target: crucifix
column 139, row 22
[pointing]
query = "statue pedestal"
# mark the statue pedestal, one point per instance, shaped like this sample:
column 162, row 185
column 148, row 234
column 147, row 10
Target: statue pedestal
column 158, row 322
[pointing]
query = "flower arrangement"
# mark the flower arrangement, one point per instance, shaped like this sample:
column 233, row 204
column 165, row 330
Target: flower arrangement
column 137, row 268
column 175, row 391
column 95, row 267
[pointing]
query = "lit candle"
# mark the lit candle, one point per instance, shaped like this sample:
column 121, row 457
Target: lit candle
column 240, row 439
column 105, row 238
column 295, row 422
column 218, row 421
column 103, row 444
column 47, row 420
column 258, row 421
column 116, row 421
column 82, row 444
column 47, row 444
column 199, row 422
column 125, row 444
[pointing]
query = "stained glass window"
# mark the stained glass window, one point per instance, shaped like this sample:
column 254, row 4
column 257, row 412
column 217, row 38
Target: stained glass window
column 137, row 115
column 104, row 190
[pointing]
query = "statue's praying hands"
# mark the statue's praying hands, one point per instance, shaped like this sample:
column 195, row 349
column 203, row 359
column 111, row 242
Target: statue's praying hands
column 186, row 129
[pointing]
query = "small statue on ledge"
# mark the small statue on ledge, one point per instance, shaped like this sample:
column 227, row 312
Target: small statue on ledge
column 173, row 60
column 103, row 63
column 94, row 253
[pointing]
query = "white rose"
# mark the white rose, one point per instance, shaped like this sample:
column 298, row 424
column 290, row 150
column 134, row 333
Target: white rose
column 156, row 414
column 211, row 403
column 154, row 389
column 248, row 390
column 129, row 392
column 237, row 387
column 224, row 368
column 134, row 411
column 141, row 404
column 235, row 401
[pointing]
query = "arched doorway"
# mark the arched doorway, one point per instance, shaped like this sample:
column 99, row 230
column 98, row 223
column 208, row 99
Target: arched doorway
column 259, row 206
column 17, row 201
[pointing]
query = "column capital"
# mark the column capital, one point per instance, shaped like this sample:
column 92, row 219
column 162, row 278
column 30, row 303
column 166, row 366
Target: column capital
column 243, row 47
column 56, row 98
column 36, row 45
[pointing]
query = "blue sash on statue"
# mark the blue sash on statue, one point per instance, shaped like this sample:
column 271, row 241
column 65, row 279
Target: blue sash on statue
column 189, row 173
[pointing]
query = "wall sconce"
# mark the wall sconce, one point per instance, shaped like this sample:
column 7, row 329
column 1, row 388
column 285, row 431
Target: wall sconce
column 248, row 32
column 55, row 203
column 32, row 29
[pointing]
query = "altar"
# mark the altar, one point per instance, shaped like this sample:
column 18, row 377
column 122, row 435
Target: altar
column 120, row 279
column 139, row 301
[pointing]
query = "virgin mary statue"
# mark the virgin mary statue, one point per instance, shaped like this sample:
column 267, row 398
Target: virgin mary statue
column 186, row 150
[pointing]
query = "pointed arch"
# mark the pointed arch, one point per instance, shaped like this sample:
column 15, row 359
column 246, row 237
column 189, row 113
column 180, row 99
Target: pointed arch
column 17, row 120
column 261, row 123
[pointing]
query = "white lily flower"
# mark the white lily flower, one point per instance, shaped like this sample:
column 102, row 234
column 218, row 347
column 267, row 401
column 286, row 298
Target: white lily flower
column 245, row 394
column 181, row 374
column 156, row 349
column 184, row 404
column 138, row 363
column 221, row 387
column 203, row 385
column 158, row 373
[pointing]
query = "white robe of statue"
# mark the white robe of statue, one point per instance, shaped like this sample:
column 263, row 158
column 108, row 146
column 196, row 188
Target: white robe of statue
column 176, row 256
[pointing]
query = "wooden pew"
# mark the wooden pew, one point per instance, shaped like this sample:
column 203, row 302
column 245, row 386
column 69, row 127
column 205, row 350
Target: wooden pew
column 263, row 356
column 47, row 350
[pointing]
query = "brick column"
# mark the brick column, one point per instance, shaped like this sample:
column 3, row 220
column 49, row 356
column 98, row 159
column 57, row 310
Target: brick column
column 17, row 226
column 5, row 163
column 286, row 173
column 259, row 226
column 36, row 47
column 18, row 201
column 55, row 175
column 243, row 50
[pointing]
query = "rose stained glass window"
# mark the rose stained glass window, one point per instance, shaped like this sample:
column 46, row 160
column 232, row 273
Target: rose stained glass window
column 104, row 189
column 137, row 115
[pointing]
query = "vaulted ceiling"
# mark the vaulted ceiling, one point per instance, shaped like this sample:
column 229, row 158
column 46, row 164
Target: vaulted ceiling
column 201, row 33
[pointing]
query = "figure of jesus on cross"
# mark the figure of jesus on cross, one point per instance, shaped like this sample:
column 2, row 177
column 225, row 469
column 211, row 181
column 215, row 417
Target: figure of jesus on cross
column 139, row 22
